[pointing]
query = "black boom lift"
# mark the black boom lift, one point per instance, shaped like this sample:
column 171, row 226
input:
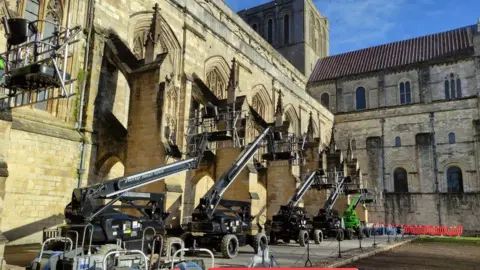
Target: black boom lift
column 111, row 225
column 291, row 221
column 227, row 230
column 328, row 220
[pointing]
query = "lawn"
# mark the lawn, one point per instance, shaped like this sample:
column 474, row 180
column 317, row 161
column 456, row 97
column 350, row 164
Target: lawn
column 427, row 253
column 460, row 240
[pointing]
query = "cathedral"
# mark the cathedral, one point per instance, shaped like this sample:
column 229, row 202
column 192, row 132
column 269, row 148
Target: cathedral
column 401, row 118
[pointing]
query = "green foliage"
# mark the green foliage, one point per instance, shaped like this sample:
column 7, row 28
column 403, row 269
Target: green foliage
column 447, row 239
column 81, row 77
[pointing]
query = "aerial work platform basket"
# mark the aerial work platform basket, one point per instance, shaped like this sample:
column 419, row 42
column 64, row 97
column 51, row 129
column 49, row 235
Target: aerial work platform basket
column 33, row 67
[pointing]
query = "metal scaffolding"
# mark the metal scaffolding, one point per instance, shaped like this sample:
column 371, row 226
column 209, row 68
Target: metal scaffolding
column 33, row 64
column 224, row 129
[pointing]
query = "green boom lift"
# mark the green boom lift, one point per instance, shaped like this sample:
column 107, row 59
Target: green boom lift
column 350, row 218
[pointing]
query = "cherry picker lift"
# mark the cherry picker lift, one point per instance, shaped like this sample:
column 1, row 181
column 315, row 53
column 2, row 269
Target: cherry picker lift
column 227, row 230
column 350, row 218
column 291, row 221
column 328, row 220
column 110, row 230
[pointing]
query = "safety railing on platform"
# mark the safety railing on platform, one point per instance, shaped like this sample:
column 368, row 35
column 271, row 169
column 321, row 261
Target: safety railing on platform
column 33, row 65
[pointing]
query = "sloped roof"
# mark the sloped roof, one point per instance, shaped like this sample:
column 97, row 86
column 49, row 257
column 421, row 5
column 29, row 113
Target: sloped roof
column 396, row 54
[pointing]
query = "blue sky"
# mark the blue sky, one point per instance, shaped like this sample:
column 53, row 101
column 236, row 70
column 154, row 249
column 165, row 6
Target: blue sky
column 356, row 24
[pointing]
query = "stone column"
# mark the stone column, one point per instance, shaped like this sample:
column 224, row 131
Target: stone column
column 281, row 185
column 239, row 189
column 476, row 138
column 381, row 90
column 339, row 100
column 342, row 203
column 184, row 112
column 310, row 166
column 145, row 148
column 258, row 203
column 244, row 186
column 425, row 95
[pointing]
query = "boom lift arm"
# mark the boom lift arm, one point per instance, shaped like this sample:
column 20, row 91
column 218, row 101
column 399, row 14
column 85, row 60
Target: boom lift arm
column 353, row 225
column 330, row 202
column 210, row 201
column 291, row 221
column 312, row 178
column 218, row 229
column 365, row 196
column 356, row 200
column 83, row 207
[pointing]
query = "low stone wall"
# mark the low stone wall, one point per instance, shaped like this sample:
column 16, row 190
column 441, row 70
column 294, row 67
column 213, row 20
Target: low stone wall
column 446, row 209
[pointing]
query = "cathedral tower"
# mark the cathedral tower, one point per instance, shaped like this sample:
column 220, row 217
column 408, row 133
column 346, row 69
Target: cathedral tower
column 295, row 28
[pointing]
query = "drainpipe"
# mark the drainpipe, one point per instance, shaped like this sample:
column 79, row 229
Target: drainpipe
column 435, row 168
column 381, row 85
column 384, row 189
column 81, row 169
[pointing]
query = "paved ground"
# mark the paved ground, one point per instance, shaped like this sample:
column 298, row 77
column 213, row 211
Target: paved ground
column 424, row 255
column 20, row 255
column 285, row 255
column 294, row 255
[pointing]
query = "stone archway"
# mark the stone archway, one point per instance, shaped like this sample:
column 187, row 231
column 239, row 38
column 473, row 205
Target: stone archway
column 117, row 170
column 202, row 187
column 140, row 22
column 291, row 115
column 194, row 190
column 150, row 121
column 217, row 75
column 111, row 168
column 262, row 102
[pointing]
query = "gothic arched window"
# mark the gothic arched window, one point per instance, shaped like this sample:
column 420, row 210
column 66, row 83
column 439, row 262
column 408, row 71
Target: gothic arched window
column 270, row 31
column 325, row 100
column 317, row 37
column 398, row 141
column 53, row 16
column 286, row 29
column 323, row 42
column 405, row 93
column 447, row 89
column 258, row 106
column 360, row 98
column 31, row 10
column 291, row 117
column 400, row 180
column 454, row 179
column 290, row 128
column 312, row 31
column 255, row 27
column 451, row 138
column 139, row 44
column 453, row 86
column 215, row 83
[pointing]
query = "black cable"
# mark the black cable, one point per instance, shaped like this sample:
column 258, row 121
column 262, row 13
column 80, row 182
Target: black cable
column 308, row 255
column 299, row 259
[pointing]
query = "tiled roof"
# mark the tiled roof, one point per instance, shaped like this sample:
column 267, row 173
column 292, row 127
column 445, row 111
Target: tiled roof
column 401, row 53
